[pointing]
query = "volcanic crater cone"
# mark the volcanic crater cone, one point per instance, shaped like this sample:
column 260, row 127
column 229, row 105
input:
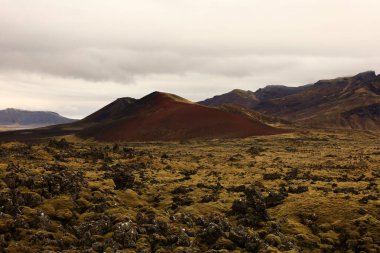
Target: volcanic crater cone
column 163, row 116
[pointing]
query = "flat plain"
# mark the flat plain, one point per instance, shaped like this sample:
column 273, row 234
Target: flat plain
column 308, row 191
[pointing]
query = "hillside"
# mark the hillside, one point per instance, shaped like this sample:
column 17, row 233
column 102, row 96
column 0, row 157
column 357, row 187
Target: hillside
column 346, row 102
column 336, row 103
column 254, row 115
column 114, row 110
column 250, row 99
column 163, row 116
column 240, row 97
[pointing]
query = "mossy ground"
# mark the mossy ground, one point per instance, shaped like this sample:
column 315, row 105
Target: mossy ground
column 320, row 191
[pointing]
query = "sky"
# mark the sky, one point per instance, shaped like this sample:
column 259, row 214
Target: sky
column 75, row 56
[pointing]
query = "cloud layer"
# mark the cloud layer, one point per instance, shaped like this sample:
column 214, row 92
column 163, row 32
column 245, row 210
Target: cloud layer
column 106, row 49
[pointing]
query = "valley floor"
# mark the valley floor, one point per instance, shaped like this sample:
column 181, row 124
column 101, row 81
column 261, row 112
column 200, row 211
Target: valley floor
column 300, row 192
column 4, row 128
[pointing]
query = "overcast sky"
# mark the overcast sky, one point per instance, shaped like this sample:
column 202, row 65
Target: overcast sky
column 75, row 56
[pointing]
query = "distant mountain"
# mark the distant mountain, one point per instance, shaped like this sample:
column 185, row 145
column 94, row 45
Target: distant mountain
column 278, row 91
column 250, row 99
column 347, row 102
column 14, row 117
column 240, row 97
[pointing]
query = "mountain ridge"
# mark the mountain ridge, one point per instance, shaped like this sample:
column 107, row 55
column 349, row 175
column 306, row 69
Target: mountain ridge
column 19, row 117
column 322, row 104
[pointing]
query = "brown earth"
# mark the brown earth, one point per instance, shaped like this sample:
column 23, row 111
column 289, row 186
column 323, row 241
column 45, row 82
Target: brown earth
column 161, row 116
column 255, row 115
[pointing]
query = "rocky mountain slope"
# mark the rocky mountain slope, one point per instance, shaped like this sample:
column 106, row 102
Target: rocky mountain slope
column 114, row 110
column 347, row 102
column 249, row 98
column 337, row 103
column 240, row 97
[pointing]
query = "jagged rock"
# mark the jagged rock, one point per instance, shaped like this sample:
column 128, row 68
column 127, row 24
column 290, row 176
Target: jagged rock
column 182, row 190
column 255, row 150
column 242, row 238
column 272, row 176
column 251, row 210
column 41, row 220
column 298, row 190
column 123, row 179
column 275, row 198
column 367, row 198
column 346, row 190
column 292, row 174
column 98, row 247
column 96, row 225
column 224, row 244
column 211, row 233
column 8, row 202
column 149, row 224
column 61, row 144
column 125, row 233
column 14, row 180
column 63, row 182
column 183, row 239
column 181, row 201
column 31, row 199
column 240, row 188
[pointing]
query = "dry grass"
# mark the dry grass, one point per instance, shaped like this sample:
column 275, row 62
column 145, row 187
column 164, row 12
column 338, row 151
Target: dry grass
column 337, row 210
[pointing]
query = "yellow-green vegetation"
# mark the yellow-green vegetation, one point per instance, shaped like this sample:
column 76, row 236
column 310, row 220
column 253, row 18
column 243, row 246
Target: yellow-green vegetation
column 300, row 192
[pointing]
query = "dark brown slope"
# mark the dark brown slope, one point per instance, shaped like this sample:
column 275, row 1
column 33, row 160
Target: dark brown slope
column 240, row 97
column 254, row 115
column 364, row 117
column 336, row 103
column 278, row 91
column 162, row 116
column 112, row 111
column 250, row 99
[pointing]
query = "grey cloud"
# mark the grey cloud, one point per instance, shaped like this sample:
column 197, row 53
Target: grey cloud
column 119, row 40
column 122, row 65
column 191, row 47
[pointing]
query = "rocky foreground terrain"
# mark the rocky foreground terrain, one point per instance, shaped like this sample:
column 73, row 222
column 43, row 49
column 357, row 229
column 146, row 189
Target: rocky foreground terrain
column 298, row 192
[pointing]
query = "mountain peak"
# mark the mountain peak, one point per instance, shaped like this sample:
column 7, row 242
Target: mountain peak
column 125, row 100
column 110, row 111
column 366, row 76
column 15, row 110
column 158, row 96
column 243, row 93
